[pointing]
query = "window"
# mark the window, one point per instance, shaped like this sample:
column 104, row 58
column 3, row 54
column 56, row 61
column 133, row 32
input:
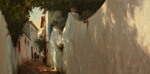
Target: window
column 19, row 46
column 32, row 52
column 25, row 40
column 31, row 30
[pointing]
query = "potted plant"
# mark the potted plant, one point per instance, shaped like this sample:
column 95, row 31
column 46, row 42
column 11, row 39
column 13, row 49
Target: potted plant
column 60, row 46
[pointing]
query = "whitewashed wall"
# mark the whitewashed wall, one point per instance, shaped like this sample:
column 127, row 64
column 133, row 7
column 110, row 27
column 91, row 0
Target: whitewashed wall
column 33, row 36
column 51, row 16
column 25, row 50
column 8, row 64
column 54, row 53
column 115, row 42
column 10, row 57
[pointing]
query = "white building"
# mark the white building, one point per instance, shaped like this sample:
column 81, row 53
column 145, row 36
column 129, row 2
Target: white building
column 33, row 35
column 24, row 50
column 26, row 44
column 47, row 20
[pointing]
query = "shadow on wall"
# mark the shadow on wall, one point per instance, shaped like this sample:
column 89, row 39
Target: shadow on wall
column 109, row 46
column 7, row 54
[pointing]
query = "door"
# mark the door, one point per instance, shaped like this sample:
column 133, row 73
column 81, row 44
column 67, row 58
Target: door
column 32, row 52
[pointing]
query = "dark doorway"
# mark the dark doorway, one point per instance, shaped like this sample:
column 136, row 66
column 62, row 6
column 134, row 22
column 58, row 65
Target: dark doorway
column 32, row 52
column 19, row 46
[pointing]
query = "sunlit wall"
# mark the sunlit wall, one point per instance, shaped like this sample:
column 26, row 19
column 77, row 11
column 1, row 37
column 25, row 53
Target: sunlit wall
column 116, row 41
column 8, row 64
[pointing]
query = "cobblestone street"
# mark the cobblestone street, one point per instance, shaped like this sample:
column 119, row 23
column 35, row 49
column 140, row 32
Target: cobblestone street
column 36, row 67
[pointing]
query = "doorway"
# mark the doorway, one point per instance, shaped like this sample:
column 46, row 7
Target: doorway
column 32, row 52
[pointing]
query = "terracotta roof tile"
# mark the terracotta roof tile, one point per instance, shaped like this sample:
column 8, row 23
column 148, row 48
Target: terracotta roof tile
column 34, row 25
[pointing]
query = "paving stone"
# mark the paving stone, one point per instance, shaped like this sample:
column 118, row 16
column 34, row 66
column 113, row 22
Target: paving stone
column 36, row 67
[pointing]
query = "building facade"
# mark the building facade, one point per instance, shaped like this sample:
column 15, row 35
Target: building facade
column 26, row 44
column 33, row 35
column 24, row 49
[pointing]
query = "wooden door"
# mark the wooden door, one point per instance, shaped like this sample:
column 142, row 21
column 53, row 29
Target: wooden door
column 32, row 52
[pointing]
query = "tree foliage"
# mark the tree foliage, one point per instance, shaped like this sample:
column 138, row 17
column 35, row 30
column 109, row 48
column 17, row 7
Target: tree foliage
column 82, row 6
column 16, row 12
column 85, row 8
column 41, row 43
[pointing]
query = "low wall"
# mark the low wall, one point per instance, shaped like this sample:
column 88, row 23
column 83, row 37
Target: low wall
column 116, row 41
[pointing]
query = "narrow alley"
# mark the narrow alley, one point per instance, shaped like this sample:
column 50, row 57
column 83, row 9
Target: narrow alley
column 36, row 67
column 75, row 37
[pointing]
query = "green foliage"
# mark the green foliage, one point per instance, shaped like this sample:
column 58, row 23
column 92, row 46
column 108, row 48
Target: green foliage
column 64, row 6
column 16, row 14
column 85, row 8
column 41, row 43
column 86, row 14
column 60, row 46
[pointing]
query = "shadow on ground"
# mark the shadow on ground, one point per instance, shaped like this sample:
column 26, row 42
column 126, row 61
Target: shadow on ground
column 36, row 67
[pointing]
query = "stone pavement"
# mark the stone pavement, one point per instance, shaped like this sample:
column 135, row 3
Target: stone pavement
column 36, row 67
